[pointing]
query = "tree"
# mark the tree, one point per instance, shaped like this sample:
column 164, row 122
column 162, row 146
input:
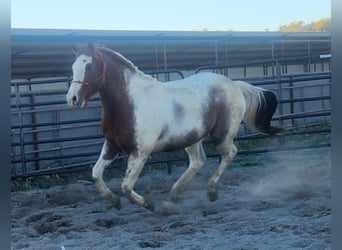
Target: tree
column 323, row 24
column 292, row 27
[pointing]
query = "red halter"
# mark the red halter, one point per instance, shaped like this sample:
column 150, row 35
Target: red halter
column 102, row 76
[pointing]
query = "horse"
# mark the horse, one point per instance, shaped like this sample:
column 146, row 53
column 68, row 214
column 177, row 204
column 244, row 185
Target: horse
column 142, row 115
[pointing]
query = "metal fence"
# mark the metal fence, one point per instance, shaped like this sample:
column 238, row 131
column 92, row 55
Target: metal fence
column 48, row 137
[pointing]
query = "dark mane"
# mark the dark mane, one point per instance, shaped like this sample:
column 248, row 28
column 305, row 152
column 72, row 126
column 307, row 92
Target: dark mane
column 118, row 58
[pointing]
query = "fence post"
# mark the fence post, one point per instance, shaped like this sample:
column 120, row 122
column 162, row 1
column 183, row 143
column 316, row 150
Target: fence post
column 291, row 97
column 279, row 90
column 21, row 129
column 34, row 121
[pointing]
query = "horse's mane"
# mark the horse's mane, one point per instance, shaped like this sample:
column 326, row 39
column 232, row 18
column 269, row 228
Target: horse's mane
column 124, row 61
column 118, row 57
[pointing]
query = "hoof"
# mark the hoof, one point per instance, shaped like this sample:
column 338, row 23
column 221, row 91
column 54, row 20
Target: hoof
column 149, row 205
column 174, row 197
column 116, row 203
column 212, row 195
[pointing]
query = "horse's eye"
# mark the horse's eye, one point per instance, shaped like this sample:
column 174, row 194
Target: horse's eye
column 89, row 67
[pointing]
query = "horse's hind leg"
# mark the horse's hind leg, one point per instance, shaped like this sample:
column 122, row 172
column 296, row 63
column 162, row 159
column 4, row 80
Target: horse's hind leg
column 224, row 141
column 227, row 150
column 101, row 164
column 197, row 158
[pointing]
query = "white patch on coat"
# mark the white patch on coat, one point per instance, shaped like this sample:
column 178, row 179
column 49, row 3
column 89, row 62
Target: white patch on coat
column 154, row 105
column 78, row 69
column 254, row 97
column 73, row 92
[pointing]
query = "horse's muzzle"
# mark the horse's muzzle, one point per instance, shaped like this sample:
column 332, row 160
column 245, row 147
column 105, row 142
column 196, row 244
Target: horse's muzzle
column 73, row 101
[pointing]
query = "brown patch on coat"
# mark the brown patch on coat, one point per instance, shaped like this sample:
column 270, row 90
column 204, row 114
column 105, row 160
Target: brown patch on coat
column 184, row 141
column 178, row 112
column 164, row 132
column 118, row 117
column 216, row 115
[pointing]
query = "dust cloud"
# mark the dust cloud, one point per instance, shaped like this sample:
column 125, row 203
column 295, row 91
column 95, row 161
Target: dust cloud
column 294, row 174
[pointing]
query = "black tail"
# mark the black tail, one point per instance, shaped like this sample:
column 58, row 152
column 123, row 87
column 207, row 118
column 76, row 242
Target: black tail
column 260, row 107
column 268, row 106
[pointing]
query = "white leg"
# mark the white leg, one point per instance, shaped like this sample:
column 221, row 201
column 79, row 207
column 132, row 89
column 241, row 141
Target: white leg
column 197, row 158
column 97, row 173
column 228, row 151
column 135, row 164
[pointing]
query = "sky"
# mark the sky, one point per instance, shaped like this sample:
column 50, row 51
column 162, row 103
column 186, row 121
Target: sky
column 172, row 15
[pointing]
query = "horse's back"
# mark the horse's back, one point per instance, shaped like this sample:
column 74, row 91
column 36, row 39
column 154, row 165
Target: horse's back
column 201, row 79
column 206, row 83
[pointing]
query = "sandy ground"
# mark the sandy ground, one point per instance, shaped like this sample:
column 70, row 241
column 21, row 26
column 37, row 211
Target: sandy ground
column 282, row 201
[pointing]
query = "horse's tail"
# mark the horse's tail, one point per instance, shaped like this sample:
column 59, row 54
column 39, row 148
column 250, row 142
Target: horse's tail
column 260, row 107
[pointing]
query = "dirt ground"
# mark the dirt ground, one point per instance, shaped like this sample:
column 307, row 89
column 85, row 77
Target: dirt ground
column 273, row 201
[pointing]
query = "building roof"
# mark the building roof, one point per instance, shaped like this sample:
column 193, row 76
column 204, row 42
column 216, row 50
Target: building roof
column 48, row 53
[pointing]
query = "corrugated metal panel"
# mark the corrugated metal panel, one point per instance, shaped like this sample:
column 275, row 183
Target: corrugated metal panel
column 39, row 53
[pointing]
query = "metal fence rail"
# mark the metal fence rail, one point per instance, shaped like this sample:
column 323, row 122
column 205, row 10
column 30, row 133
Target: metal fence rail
column 48, row 137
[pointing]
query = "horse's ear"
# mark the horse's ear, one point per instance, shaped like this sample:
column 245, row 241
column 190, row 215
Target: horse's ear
column 75, row 49
column 91, row 48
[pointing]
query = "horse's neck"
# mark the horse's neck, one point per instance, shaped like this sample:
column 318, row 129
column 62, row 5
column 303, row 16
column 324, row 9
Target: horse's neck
column 119, row 87
column 122, row 78
column 113, row 91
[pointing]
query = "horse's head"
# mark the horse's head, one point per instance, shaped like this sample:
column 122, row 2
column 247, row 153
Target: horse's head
column 89, row 72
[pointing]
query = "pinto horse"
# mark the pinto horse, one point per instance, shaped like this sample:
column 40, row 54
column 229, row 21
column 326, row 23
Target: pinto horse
column 142, row 115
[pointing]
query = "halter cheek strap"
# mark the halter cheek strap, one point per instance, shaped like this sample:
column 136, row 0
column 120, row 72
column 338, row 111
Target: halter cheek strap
column 100, row 77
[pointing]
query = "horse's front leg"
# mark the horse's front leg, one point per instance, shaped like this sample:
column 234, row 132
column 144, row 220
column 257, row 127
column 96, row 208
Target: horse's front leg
column 135, row 164
column 107, row 156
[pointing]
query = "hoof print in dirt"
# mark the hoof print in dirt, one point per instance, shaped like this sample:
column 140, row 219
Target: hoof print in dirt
column 48, row 222
column 208, row 212
column 108, row 223
column 37, row 217
column 150, row 244
column 63, row 199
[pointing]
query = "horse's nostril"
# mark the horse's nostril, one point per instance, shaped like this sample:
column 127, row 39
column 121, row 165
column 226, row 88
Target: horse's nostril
column 74, row 99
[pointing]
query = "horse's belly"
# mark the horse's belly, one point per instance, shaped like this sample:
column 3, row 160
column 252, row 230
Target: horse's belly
column 172, row 142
